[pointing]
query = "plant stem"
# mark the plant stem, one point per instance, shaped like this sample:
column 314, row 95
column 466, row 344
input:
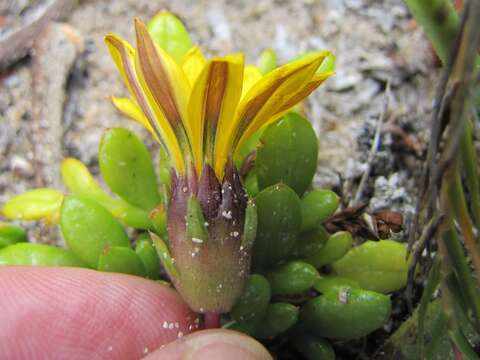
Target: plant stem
column 469, row 160
column 439, row 21
column 212, row 320
column 460, row 210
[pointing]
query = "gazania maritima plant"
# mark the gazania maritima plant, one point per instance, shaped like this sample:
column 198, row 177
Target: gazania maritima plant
column 201, row 111
column 208, row 224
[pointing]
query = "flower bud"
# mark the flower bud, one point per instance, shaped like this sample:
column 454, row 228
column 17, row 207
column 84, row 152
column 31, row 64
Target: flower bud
column 211, row 229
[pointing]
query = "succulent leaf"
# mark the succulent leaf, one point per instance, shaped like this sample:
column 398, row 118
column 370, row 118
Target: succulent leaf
column 279, row 219
column 127, row 168
column 11, row 234
column 376, row 265
column 121, row 260
column 287, row 153
column 35, row 204
column 38, row 255
column 170, row 34
column 88, row 228
column 346, row 313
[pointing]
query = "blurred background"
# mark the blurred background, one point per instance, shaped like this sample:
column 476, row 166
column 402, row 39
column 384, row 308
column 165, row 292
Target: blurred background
column 56, row 76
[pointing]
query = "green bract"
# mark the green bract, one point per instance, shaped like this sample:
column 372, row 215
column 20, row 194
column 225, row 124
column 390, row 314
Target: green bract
column 170, row 34
column 164, row 169
column 88, row 228
column 127, row 168
column 287, row 153
column 376, row 265
column 279, row 219
column 38, row 255
column 346, row 313
column 11, row 234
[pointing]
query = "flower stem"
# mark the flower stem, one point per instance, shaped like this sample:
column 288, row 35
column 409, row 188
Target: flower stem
column 212, row 320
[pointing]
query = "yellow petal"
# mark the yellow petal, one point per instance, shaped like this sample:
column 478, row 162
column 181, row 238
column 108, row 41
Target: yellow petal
column 250, row 77
column 266, row 97
column 129, row 108
column 124, row 57
column 114, row 43
column 213, row 102
column 289, row 104
column 233, row 91
column 276, row 92
column 168, row 86
column 302, row 93
column 192, row 64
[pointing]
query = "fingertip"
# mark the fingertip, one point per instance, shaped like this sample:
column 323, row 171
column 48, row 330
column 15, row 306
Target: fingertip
column 217, row 344
column 75, row 313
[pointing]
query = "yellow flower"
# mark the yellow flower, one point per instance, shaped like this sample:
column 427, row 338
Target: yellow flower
column 202, row 110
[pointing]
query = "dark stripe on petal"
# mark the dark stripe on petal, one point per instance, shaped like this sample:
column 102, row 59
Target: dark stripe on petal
column 214, row 96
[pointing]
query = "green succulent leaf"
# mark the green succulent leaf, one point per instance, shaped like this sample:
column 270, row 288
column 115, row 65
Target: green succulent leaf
column 170, row 34
column 79, row 181
column 279, row 219
column 38, row 255
column 88, row 228
column 313, row 347
column 251, row 183
column 127, row 168
column 292, row 278
column 267, row 61
column 278, row 318
column 252, row 304
column 346, row 313
column 148, row 255
column 336, row 247
column 35, row 204
column 287, row 153
column 376, row 265
column 334, row 283
column 311, row 243
column 121, row 260
column 327, row 65
column 317, row 206
column 11, row 234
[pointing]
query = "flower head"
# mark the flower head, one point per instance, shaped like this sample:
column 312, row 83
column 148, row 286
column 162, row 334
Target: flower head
column 201, row 111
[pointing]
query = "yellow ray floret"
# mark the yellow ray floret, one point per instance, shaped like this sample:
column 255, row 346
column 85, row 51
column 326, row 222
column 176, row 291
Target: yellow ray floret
column 280, row 89
column 193, row 63
column 123, row 55
column 201, row 111
column 214, row 100
column 129, row 108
